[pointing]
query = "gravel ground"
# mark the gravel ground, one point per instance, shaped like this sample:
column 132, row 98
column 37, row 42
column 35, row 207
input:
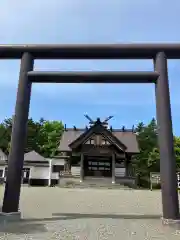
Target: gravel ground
column 89, row 214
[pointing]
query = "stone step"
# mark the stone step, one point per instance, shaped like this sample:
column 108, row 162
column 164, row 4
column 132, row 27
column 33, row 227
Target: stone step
column 95, row 185
column 91, row 182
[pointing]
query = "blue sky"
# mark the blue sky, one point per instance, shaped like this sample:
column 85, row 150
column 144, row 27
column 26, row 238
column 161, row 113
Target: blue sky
column 89, row 21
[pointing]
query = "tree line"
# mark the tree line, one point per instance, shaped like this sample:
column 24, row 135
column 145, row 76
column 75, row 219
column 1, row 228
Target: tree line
column 148, row 160
column 44, row 137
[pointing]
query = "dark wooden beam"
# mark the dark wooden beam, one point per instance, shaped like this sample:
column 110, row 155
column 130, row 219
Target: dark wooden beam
column 92, row 77
column 96, row 51
column 18, row 137
column 170, row 202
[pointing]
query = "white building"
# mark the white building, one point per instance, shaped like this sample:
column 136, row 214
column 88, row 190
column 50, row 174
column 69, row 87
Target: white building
column 37, row 170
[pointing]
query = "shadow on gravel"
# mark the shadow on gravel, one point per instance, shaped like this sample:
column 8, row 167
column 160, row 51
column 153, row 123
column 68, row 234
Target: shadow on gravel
column 21, row 228
column 38, row 225
column 112, row 216
column 69, row 216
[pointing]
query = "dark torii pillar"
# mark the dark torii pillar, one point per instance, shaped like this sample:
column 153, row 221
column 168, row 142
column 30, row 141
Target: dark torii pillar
column 18, row 138
column 170, row 203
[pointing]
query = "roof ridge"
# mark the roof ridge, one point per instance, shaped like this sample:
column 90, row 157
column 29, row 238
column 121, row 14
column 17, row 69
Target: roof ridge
column 74, row 129
column 121, row 130
column 113, row 129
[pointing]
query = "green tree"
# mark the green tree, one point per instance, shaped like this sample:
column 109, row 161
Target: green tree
column 153, row 160
column 49, row 137
column 33, row 129
column 140, row 127
column 31, row 140
column 147, row 141
column 4, row 138
column 177, row 151
column 6, row 125
column 154, row 157
column 42, row 136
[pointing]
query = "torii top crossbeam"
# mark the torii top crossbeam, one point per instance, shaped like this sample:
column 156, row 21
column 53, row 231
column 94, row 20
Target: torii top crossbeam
column 86, row 51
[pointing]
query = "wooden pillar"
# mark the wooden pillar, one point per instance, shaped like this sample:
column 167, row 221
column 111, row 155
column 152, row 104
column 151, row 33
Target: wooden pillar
column 82, row 168
column 113, row 168
column 126, row 165
column 18, row 137
column 22, row 176
column 3, row 175
column 50, row 173
column 170, row 203
column 30, row 170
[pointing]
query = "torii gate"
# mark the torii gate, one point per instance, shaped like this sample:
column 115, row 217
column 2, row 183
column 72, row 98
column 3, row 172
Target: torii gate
column 157, row 52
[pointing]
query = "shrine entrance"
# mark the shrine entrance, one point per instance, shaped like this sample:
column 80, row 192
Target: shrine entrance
column 97, row 166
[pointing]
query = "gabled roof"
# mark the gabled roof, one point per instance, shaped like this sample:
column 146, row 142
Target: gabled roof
column 3, row 156
column 128, row 138
column 33, row 157
column 98, row 129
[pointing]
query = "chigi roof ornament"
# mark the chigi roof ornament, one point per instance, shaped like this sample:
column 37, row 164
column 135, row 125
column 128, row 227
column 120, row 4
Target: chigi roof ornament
column 98, row 120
